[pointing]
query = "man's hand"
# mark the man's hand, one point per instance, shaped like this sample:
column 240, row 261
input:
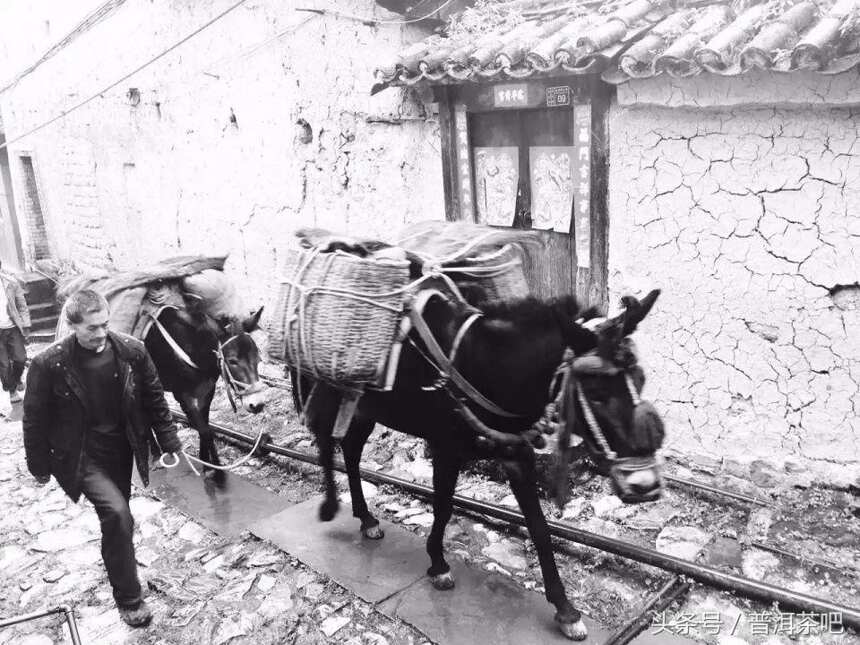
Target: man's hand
column 27, row 332
column 41, row 480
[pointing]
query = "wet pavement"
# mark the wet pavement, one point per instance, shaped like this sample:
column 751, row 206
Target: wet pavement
column 202, row 587
column 227, row 508
column 484, row 606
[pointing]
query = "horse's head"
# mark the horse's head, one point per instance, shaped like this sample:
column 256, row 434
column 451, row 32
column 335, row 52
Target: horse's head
column 238, row 360
column 621, row 432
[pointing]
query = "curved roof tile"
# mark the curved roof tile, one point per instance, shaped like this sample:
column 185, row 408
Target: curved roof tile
column 625, row 39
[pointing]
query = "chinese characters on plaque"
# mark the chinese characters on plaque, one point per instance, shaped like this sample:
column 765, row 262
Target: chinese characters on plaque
column 497, row 172
column 582, row 184
column 464, row 165
column 552, row 187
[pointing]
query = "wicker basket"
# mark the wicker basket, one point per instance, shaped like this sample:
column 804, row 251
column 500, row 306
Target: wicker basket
column 336, row 315
column 499, row 275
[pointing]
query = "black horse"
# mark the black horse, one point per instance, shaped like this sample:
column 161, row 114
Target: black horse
column 191, row 350
column 510, row 354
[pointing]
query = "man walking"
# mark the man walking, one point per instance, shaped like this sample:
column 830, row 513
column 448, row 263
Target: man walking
column 91, row 403
column 14, row 330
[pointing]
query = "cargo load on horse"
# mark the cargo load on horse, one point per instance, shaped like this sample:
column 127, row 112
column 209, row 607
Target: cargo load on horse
column 136, row 297
column 340, row 311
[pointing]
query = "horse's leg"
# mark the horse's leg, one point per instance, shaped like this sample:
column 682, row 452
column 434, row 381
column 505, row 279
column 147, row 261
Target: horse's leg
column 205, row 394
column 320, row 414
column 523, row 479
column 352, row 445
column 195, row 405
column 446, row 469
column 188, row 402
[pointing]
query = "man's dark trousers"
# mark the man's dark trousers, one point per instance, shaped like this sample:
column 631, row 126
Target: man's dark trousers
column 13, row 357
column 106, row 483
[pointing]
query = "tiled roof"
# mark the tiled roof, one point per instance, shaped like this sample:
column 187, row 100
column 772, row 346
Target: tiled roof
column 623, row 39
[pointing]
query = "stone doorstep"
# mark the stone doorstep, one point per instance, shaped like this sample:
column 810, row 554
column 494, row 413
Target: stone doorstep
column 484, row 607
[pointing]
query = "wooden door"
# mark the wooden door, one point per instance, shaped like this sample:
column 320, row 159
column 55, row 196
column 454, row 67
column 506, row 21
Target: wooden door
column 537, row 167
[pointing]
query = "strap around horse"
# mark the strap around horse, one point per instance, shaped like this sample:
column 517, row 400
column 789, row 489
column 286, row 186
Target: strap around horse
column 180, row 353
column 444, row 364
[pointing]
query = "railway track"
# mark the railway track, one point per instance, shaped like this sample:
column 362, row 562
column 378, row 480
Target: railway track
column 682, row 571
column 701, row 488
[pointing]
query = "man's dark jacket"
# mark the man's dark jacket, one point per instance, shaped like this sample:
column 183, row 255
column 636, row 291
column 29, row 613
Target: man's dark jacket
column 55, row 410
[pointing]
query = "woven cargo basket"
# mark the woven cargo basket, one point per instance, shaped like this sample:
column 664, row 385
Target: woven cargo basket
column 336, row 315
column 500, row 275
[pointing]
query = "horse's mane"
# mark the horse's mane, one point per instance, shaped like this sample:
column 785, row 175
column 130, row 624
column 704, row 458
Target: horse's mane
column 534, row 312
column 449, row 242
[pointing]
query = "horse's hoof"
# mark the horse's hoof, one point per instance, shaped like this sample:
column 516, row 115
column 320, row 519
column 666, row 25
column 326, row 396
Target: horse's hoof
column 328, row 509
column 443, row 581
column 373, row 532
column 574, row 631
column 217, row 476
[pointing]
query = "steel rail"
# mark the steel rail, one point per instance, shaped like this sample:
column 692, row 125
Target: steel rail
column 669, row 593
column 62, row 609
column 280, row 384
column 718, row 491
column 753, row 589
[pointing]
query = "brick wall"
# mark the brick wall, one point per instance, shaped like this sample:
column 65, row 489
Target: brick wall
column 38, row 248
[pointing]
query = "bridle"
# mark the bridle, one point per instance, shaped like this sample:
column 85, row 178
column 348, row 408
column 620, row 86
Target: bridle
column 599, row 449
column 236, row 389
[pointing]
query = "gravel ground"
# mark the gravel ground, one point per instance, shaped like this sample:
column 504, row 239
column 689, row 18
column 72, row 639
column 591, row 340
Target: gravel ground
column 202, row 588
column 207, row 589
column 818, row 524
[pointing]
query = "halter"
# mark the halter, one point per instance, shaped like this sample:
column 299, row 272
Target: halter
column 235, row 388
column 594, row 426
column 617, row 466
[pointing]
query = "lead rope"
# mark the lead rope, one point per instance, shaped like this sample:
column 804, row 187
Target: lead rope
column 191, row 458
column 230, row 384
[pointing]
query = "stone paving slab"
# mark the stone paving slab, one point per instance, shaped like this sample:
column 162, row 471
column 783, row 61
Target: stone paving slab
column 484, row 607
column 372, row 569
column 227, row 509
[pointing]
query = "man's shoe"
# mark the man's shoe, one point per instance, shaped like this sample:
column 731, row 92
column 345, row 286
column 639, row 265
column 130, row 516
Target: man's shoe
column 140, row 616
column 15, row 397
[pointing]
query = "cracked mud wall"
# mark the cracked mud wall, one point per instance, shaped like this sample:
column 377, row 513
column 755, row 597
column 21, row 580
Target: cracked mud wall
column 259, row 125
column 748, row 218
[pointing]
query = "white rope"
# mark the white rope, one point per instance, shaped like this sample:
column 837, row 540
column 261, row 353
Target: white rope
column 191, row 458
column 593, row 425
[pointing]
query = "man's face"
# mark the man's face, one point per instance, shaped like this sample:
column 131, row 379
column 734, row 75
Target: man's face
column 91, row 332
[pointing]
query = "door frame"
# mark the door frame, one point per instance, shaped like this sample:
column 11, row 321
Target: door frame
column 457, row 102
column 12, row 248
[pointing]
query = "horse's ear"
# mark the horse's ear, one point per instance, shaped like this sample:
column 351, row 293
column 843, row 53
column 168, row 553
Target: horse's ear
column 636, row 310
column 253, row 322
